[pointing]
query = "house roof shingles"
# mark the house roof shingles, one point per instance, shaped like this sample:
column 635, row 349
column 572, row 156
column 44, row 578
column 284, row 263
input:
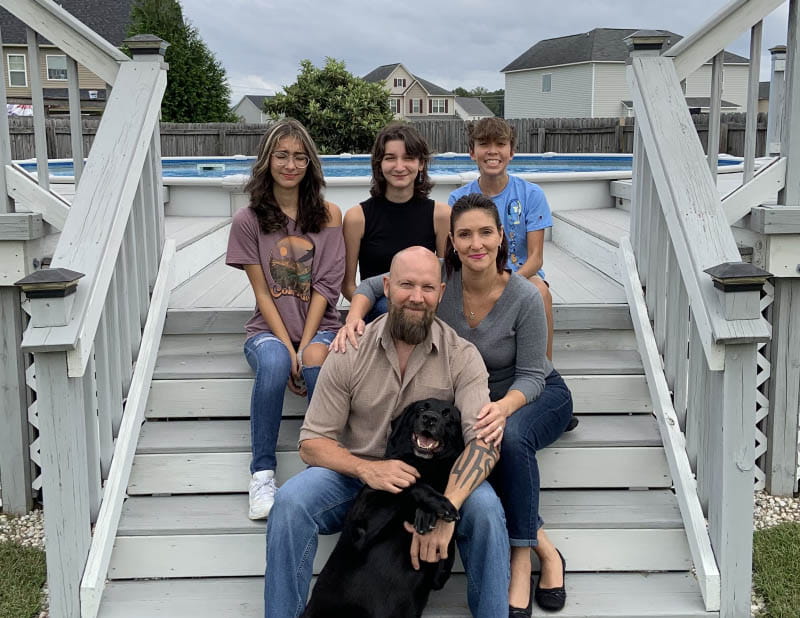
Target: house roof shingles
column 382, row 72
column 474, row 106
column 598, row 45
column 108, row 19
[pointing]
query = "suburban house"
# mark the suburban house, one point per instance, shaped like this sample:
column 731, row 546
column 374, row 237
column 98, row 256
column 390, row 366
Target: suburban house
column 472, row 108
column 251, row 108
column 412, row 97
column 583, row 76
column 109, row 19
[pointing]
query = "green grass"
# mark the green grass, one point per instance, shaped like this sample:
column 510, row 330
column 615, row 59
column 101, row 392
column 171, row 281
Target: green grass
column 22, row 575
column 776, row 569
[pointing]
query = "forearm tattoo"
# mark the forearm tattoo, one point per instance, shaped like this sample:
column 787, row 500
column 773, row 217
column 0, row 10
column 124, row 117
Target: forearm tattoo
column 474, row 464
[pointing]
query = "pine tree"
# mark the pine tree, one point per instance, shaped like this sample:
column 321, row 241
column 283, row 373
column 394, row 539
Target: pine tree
column 197, row 87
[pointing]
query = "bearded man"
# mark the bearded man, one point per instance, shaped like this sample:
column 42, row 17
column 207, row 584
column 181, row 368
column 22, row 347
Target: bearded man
column 403, row 357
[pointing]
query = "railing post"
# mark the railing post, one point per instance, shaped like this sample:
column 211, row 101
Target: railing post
column 732, row 408
column 777, row 91
column 62, row 439
column 790, row 136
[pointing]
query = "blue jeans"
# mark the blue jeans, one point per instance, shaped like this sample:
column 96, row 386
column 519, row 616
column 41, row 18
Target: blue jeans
column 316, row 501
column 515, row 478
column 270, row 360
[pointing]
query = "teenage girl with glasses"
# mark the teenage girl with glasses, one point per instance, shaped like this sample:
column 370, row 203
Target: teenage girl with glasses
column 289, row 242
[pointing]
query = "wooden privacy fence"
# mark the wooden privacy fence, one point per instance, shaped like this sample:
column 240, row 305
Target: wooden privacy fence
column 603, row 135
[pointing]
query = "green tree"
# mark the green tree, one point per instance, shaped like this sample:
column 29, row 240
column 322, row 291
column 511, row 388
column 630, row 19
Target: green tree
column 197, row 87
column 341, row 112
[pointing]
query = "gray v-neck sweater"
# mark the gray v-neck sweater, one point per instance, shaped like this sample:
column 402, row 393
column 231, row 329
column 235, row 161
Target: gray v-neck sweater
column 512, row 338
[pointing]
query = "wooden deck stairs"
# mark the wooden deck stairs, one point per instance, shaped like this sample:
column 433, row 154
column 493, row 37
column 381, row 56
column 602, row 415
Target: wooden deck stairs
column 185, row 547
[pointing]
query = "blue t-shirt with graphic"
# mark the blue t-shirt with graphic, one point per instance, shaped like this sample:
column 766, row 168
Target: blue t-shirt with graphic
column 523, row 208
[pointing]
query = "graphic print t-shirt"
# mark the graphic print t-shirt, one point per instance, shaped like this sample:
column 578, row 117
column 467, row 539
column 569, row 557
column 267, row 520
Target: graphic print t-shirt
column 294, row 265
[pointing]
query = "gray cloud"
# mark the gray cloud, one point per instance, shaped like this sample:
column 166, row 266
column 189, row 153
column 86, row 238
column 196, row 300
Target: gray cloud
column 449, row 42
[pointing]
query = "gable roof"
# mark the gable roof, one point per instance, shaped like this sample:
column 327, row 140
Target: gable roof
column 474, row 106
column 108, row 19
column 598, row 45
column 382, row 72
column 255, row 99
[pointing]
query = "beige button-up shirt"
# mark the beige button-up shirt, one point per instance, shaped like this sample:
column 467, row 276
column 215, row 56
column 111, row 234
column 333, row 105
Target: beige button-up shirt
column 360, row 392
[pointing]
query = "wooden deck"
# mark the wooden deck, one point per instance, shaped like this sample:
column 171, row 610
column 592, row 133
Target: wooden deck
column 572, row 282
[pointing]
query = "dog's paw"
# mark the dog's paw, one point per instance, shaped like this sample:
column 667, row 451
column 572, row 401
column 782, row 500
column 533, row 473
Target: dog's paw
column 449, row 512
column 424, row 521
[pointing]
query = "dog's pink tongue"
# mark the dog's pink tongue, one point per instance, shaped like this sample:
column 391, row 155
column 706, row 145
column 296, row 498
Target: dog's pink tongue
column 425, row 442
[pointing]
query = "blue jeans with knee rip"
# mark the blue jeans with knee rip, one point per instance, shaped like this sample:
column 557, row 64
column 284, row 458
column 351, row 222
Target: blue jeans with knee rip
column 270, row 360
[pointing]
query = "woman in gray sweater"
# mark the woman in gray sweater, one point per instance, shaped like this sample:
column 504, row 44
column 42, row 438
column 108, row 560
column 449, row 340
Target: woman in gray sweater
column 502, row 314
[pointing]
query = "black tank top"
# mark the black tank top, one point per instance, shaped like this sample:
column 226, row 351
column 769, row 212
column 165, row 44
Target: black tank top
column 391, row 227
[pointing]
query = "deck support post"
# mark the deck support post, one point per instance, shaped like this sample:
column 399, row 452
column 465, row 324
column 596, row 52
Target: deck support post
column 784, row 390
column 65, row 484
column 731, row 505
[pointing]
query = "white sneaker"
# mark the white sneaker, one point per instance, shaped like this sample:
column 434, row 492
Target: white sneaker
column 262, row 494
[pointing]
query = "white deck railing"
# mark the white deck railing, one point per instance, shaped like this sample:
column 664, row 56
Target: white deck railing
column 94, row 350
column 698, row 344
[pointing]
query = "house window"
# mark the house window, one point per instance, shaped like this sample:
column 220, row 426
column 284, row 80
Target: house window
column 546, row 79
column 416, row 106
column 399, row 82
column 57, row 68
column 17, row 72
column 394, row 105
column 438, row 106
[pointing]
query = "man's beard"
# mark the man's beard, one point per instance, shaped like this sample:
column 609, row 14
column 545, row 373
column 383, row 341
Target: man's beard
column 407, row 329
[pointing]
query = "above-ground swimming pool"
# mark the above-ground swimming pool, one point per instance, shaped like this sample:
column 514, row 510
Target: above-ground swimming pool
column 358, row 165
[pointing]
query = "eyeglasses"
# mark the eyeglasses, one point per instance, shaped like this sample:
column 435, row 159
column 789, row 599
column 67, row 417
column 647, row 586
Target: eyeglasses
column 282, row 157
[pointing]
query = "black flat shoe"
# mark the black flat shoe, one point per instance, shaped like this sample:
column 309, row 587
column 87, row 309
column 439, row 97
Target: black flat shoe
column 519, row 612
column 553, row 599
column 573, row 423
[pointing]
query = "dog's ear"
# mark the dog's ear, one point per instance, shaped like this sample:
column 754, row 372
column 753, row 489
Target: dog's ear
column 402, row 428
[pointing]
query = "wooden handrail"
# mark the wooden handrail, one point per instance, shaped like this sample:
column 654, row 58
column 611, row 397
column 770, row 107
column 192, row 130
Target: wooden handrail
column 697, row 224
column 721, row 29
column 93, row 233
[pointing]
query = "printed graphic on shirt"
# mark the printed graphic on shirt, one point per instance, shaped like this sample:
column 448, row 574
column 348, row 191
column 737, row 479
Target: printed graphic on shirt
column 513, row 217
column 290, row 267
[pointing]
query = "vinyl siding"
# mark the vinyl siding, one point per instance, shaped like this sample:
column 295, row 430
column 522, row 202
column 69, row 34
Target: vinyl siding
column 415, row 92
column 86, row 79
column 398, row 73
column 610, row 89
column 734, row 83
column 569, row 96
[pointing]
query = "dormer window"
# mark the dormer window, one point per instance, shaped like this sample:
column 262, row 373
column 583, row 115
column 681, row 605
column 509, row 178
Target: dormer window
column 399, row 82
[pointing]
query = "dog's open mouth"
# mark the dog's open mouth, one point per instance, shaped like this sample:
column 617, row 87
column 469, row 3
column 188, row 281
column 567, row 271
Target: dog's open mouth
column 425, row 445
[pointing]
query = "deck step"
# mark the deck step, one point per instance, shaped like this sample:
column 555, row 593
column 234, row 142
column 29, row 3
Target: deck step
column 193, row 457
column 209, row 536
column 231, row 320
column 606, row 224
column 590, row 595
column 187, row 230
column 219, row 398
column 560, row 508
column 220, row 356
column 229, row 436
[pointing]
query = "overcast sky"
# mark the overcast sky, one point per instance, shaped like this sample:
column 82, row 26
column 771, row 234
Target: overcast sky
column 448, row 42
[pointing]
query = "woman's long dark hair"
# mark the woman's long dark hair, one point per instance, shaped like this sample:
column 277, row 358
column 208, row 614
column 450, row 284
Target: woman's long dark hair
column 311, row 212
column 416, row 146
column 473, row 201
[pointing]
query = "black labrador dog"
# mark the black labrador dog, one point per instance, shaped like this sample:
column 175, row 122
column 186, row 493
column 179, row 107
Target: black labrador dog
column 369, row 573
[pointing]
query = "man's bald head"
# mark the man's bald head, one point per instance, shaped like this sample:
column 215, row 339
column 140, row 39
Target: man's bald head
column 416, row 258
